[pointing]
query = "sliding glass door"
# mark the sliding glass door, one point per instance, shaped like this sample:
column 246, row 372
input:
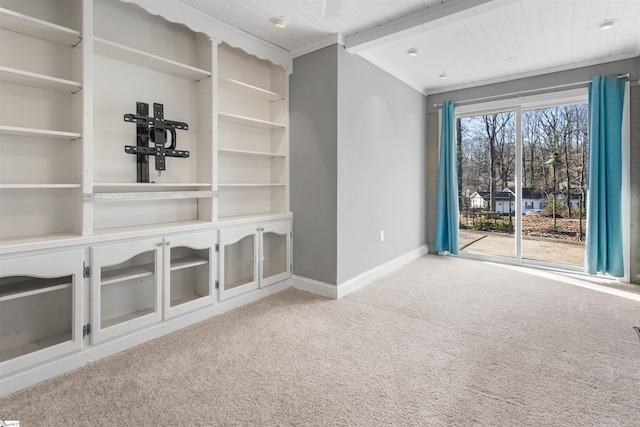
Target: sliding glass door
column 522, row 175
column 554, row 183
column 486, row 173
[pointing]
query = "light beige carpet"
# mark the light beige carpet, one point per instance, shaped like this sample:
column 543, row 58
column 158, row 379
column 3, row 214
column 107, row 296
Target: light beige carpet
column 442, row 341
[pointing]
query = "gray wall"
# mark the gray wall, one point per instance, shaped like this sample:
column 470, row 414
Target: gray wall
column 381, row 168
column 313, row 89
column 357, row 166
column 539, row 82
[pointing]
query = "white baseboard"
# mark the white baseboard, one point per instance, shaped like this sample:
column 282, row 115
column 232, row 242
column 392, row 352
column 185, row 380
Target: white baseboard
column 343, row 289
column 315, row 287
column 352, row 285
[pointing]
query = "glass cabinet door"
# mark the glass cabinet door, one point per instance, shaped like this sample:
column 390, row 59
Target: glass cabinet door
column 190, row 269
column 40, row 309
column 126, row 287
column 254, row 256
column 275, row 242
column 238, row 256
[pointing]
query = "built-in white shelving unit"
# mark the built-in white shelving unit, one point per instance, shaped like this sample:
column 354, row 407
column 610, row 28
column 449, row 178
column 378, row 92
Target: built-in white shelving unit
column 252, row 134
column 91, row 260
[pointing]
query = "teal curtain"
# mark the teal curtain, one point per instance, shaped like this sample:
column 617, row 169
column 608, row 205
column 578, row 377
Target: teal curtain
column 447, row 207
column 604, row 251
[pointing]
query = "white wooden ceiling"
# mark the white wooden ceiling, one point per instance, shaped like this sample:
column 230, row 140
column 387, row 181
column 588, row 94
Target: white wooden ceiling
column 471, row 41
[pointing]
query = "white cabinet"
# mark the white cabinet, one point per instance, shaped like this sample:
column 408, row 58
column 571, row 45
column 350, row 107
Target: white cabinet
column 136, row 284
column 40, row 309
column 125, row 287
column 253, row 256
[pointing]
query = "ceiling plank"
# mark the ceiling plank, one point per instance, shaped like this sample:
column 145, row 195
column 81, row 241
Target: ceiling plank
column 331, row 8
column 433, row 17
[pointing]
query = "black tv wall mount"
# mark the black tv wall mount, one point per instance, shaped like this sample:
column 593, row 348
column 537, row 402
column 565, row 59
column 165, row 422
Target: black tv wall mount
column 154, row 130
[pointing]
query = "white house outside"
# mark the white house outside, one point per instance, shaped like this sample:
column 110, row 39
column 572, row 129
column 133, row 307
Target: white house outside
column 533, row 201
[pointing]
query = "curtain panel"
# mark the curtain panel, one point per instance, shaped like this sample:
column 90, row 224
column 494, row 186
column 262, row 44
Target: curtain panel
column 604, row 246
column 447, row 205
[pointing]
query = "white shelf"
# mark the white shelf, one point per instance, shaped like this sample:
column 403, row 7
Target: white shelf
column 187, row 262
column 32, row 287
column 53, row 239
column 34, row 27
column 249, row 121
column 43, row 133
column 254, row 216
column 12, row 353
column 153, row 195
column 38, row 186
column 26, row 78
column 110, row 277
column 124, row 318
column 237, row 283
column 147, row 229
column 147, row 185
column 185, row 299
column 231, row 151
column 252, row 184
column 225, row 83
column 144, row 59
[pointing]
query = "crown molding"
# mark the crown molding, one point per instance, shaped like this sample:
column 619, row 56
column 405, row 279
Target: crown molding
column 320, row 44
column 182, row 13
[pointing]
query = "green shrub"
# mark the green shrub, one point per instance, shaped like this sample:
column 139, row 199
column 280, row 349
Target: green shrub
column 492, row 225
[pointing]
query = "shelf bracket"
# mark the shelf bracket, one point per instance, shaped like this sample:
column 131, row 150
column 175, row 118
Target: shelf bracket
column 153, row 130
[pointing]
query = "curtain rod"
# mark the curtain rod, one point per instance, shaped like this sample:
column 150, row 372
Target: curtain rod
column 531, row 91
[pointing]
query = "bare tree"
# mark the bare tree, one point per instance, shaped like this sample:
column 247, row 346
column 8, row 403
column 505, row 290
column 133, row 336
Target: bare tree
column 487, row 151
column 495, row 126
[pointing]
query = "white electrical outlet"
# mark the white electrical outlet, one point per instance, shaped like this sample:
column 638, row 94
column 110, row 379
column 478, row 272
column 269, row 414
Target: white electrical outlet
column 382, row 235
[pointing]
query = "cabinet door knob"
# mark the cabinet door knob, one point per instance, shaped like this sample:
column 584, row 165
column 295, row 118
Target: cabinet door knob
column 159, row 243
column 168, row 243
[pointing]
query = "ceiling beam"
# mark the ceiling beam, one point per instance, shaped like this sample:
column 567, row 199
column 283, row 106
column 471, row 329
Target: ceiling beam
column 428, row 19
